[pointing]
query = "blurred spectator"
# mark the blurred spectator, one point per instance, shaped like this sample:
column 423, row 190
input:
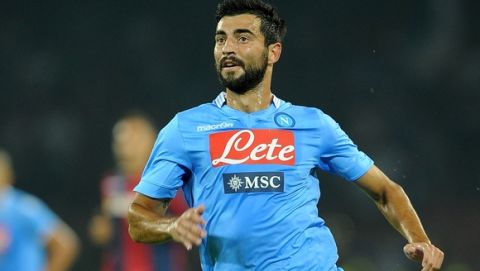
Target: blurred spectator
column 133, row 138
column 32, row 237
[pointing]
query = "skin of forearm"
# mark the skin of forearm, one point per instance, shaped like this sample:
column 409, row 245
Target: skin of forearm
column 63, row 249
column 395, row 205
column 146, row 226
column 62, row 260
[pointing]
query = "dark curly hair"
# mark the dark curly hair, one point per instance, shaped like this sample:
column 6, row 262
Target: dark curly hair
column 272, row 26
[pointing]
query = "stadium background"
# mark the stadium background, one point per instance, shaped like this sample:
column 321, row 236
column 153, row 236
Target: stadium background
column 402, row 78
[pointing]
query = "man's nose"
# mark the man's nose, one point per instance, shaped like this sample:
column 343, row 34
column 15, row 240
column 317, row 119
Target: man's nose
column 229, row 47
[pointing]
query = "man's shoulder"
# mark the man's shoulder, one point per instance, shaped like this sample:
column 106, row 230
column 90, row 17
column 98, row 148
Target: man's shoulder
column 308, row 116
column 25, row 202
column 22, row 196
column 305, row 111
column 204, row 108
column 205, row 114
column 302, row 108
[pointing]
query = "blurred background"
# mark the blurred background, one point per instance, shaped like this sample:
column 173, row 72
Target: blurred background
column 402, row 79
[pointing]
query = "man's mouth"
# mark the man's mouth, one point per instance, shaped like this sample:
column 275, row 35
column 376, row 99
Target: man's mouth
column 230, row 63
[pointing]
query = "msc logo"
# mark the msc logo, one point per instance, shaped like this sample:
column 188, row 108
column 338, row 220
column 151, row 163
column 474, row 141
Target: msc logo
column 253, row 182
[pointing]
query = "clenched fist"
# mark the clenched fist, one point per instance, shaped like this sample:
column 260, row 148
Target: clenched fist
column 430, row 256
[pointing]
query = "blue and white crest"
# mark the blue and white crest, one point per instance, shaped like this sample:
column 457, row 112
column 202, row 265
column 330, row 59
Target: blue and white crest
column 284, row 120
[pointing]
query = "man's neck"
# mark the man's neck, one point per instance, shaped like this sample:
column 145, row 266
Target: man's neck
column 256, row 99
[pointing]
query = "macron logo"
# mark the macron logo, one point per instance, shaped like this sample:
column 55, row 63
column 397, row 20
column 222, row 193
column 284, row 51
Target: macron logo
column 210, row 127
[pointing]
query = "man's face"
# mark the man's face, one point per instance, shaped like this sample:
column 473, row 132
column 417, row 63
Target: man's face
column 241, row 56
column 133, row 139
column 6, row 172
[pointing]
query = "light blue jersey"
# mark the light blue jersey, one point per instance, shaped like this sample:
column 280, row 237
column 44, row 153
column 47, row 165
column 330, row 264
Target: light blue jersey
column 25, row 224
column 255, row 175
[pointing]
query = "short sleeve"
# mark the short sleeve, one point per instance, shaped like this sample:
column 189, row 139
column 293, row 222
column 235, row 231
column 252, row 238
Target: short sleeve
column 42, row 220
column 167, row 166
column 341, row 155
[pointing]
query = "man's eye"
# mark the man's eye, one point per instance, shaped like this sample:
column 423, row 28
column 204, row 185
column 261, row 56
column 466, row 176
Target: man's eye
column 243, row 39
column 220, row 40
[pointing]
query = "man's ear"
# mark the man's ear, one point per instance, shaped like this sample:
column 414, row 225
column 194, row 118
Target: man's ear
column 274, row 52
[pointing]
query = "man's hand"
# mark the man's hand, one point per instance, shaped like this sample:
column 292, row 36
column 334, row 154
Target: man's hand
column 430, row 256
column 187, row 229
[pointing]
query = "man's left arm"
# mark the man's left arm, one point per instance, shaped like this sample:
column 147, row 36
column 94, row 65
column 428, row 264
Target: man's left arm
column 394, row 204
column 63, row 247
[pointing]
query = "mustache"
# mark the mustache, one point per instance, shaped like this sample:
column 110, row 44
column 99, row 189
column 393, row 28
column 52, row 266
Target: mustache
column 232, row 60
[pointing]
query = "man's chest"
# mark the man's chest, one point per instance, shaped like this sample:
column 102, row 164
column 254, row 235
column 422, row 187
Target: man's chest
column 252, row 146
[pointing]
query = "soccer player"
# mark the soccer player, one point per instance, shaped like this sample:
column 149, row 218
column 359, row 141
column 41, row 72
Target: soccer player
column 32, row 237
column 246, row 163
column 132, row 139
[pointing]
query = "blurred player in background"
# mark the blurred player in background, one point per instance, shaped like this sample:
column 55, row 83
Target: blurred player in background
column 133, row 138
column 32, row 237
column 246, row 163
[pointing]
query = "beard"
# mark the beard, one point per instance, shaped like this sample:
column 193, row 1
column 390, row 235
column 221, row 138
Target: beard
column 252, row 76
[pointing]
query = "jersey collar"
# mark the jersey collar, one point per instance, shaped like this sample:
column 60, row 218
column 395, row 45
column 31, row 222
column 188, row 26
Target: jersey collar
column 221, row 100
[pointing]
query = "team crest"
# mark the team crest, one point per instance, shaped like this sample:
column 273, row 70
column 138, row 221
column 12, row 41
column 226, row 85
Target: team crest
column 284, row 120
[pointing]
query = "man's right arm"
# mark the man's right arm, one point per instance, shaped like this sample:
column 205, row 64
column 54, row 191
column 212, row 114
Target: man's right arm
column 148, row 222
